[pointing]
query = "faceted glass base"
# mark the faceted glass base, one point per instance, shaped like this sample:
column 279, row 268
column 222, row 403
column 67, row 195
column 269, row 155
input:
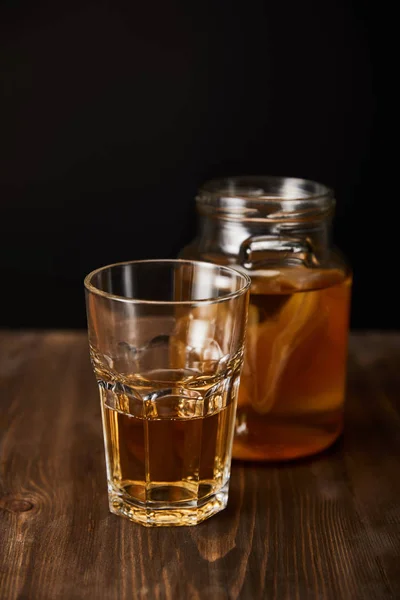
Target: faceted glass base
column 161, row 514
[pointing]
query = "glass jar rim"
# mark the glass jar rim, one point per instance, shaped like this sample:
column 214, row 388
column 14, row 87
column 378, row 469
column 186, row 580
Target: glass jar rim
column 265, row 197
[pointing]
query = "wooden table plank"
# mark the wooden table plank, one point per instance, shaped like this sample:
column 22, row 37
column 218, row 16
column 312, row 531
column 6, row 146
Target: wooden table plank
column 323, row 528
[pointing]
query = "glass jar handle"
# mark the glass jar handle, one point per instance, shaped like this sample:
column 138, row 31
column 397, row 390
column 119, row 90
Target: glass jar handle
column 267, row 250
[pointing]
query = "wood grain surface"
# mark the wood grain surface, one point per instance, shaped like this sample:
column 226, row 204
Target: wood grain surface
column 322, row 528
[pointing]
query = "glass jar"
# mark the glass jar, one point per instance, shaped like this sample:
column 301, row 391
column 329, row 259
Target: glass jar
column 292, row 387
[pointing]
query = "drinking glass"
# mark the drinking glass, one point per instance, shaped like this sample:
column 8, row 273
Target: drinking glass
column 166, row 343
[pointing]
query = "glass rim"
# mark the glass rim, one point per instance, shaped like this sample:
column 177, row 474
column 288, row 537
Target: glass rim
column 203, row 301
column 217, row 188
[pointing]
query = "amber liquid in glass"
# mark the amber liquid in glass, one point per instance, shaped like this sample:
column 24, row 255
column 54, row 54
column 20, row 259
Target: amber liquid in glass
column 292, row 385
column 168, row 438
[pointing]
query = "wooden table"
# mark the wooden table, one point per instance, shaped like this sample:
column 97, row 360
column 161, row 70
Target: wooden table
column 322, row 528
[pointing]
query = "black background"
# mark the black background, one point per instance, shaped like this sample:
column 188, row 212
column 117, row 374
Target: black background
column 113, row 114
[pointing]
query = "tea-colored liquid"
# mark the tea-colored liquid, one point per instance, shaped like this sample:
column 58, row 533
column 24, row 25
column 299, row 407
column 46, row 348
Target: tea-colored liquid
column 292, row 385
column 168, row 438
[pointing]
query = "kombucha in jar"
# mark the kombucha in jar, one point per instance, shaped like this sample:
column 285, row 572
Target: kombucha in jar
column 278, row 231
